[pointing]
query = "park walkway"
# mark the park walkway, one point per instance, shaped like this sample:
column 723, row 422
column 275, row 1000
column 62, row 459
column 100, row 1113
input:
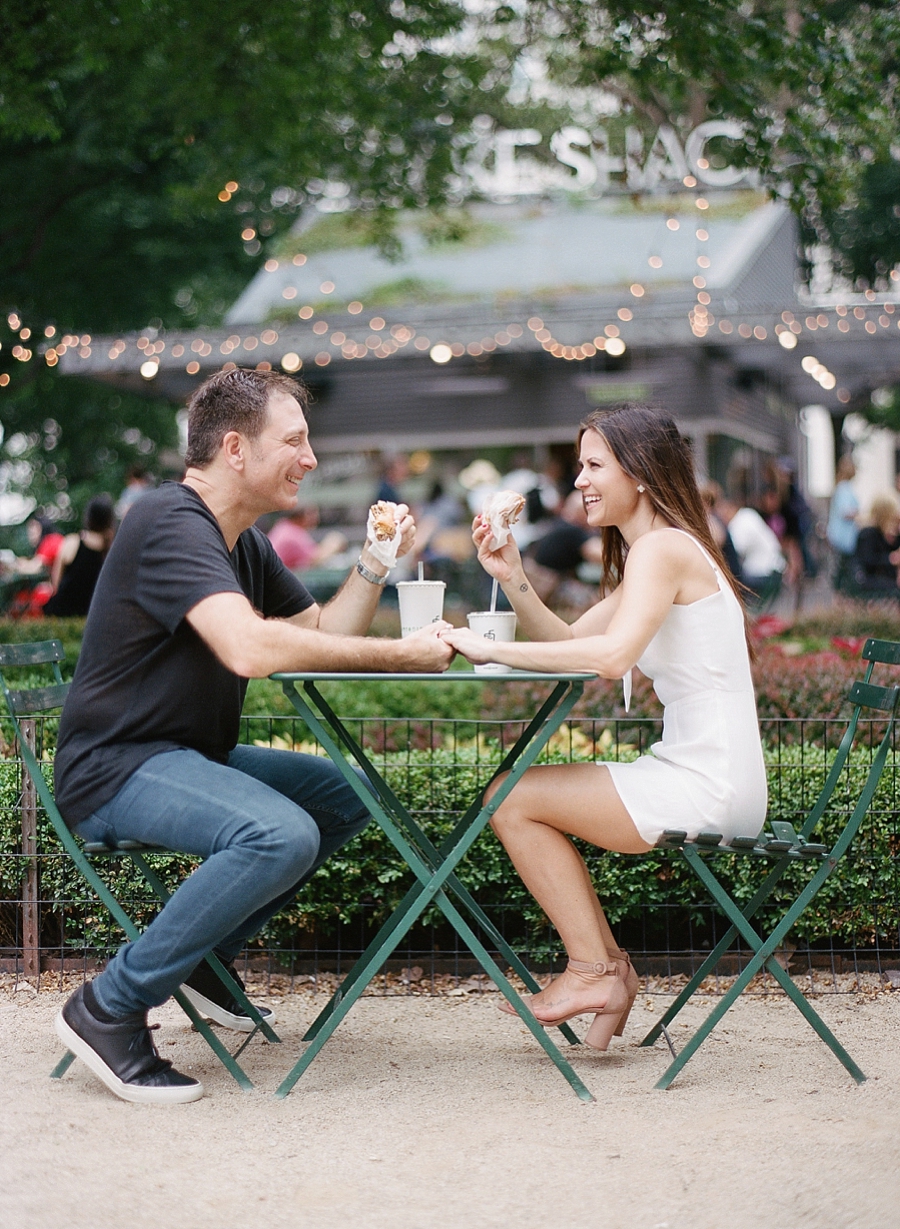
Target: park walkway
column 438, row 1113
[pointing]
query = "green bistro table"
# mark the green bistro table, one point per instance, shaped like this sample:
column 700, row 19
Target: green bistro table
column 434, row 866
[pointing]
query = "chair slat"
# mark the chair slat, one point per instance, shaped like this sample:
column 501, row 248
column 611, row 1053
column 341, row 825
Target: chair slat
column 43, row 652
column 887, row 651
column 867, row 695
column 672, row 838
column 38, row 699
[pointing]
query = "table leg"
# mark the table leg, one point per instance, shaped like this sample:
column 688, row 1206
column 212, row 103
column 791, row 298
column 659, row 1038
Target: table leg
column 427, row 849
column 432, row 867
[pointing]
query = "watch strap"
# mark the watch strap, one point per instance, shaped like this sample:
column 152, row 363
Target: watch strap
column 367, row 574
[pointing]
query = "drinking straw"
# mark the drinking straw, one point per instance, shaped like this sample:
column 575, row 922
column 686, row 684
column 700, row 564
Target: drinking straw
column 421, row 570
column 494, row 588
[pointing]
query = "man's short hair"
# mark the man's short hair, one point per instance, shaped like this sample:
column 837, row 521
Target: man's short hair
column 234, row 400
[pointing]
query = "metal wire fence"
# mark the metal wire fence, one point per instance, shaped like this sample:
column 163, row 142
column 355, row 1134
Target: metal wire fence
column 52, row 928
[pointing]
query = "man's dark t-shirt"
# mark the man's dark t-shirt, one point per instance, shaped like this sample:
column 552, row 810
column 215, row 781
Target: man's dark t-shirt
column 145, row 681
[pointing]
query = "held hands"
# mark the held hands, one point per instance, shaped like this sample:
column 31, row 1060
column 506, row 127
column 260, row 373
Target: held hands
column 474, row 648
column 425, row 650
column 500, row 564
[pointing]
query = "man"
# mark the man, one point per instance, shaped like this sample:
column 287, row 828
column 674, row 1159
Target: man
column 756, row 546
column 567, row 544
column 295, row 545
column 137, row 483
column 193, row 601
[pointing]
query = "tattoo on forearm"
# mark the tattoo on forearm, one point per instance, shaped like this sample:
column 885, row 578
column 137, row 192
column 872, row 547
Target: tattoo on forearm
column 523, row 588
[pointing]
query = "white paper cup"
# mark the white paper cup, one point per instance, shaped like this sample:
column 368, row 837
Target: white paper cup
column 421, row 603
column 494, row 625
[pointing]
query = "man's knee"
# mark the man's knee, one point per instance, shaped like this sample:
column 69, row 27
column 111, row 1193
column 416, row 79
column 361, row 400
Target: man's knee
column 287, row 836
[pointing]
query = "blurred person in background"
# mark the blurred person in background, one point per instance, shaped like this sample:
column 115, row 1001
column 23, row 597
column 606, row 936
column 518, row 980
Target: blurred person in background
column 480, row 479
column 798, row 515
column 542, row 499
column 560, row 552
column 80, row 558
column 774, row 513
column 295, row 546
column 45, row 541
column 758, row 550
column 137, row 483
column 394, row 471
column 877, row 554
column 712, row 495
column 843, row 514
column 440, row 512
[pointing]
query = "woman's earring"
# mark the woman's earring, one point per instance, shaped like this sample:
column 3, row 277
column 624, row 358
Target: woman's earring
column 640, row 489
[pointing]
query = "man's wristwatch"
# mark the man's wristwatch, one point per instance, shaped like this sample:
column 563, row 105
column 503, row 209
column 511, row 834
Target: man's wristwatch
column 367, row 574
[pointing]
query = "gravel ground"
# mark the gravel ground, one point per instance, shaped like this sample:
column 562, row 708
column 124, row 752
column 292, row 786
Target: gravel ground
column 438, row 1111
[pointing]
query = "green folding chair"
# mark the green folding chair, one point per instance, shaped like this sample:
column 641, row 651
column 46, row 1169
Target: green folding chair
column 34, row 701
column 782, row 846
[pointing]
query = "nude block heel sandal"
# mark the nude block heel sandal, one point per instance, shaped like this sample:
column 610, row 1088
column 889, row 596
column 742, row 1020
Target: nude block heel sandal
column 632, row 985
column 607, row 1019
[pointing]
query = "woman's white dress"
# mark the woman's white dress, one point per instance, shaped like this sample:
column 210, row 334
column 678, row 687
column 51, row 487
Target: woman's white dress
column 707, row 773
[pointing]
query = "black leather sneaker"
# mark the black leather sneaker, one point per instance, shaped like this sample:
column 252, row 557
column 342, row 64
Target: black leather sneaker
column 123, row 1055
column 208, row 995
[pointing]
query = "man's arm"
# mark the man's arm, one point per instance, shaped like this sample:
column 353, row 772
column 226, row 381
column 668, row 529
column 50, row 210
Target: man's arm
column 350, row 611
column 253, row 647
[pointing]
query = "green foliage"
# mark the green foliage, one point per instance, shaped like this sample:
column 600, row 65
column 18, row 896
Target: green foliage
column 865, row 230
column 67, row 439
column 813, row 87
column 121, row 123
column 883, row 409
column 366, row 879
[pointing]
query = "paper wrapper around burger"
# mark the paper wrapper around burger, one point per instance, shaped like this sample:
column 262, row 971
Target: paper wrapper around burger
column 502, row 510
column 383, row 532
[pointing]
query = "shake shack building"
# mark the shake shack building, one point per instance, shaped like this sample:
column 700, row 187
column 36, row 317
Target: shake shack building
column 502, row 324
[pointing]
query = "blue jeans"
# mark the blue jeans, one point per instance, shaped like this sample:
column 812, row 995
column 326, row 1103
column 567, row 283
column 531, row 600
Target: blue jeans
column 263, row 824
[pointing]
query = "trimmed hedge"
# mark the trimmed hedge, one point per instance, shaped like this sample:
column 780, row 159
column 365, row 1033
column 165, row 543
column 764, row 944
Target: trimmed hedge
column 859, row 905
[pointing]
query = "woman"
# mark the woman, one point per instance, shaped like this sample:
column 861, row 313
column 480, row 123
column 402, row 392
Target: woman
column 46, row 541
column 673, row 610
column 843, row 512
column 877, row 556
column 80, row 559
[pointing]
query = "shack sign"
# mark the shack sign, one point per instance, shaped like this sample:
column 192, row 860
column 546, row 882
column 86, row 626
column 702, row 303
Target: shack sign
column 585, row 160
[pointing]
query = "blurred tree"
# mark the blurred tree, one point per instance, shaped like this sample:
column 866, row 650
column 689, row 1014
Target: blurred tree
column 122, row 121
column 814, row 86
column 882, row 408
column 865, row 229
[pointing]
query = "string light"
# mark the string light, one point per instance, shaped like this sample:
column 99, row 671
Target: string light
column 380, row 345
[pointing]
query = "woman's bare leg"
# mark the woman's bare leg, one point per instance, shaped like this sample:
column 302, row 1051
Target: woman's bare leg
column 533, row 823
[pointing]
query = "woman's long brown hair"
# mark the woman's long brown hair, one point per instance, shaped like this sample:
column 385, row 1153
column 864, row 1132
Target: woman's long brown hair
column 651, row 450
